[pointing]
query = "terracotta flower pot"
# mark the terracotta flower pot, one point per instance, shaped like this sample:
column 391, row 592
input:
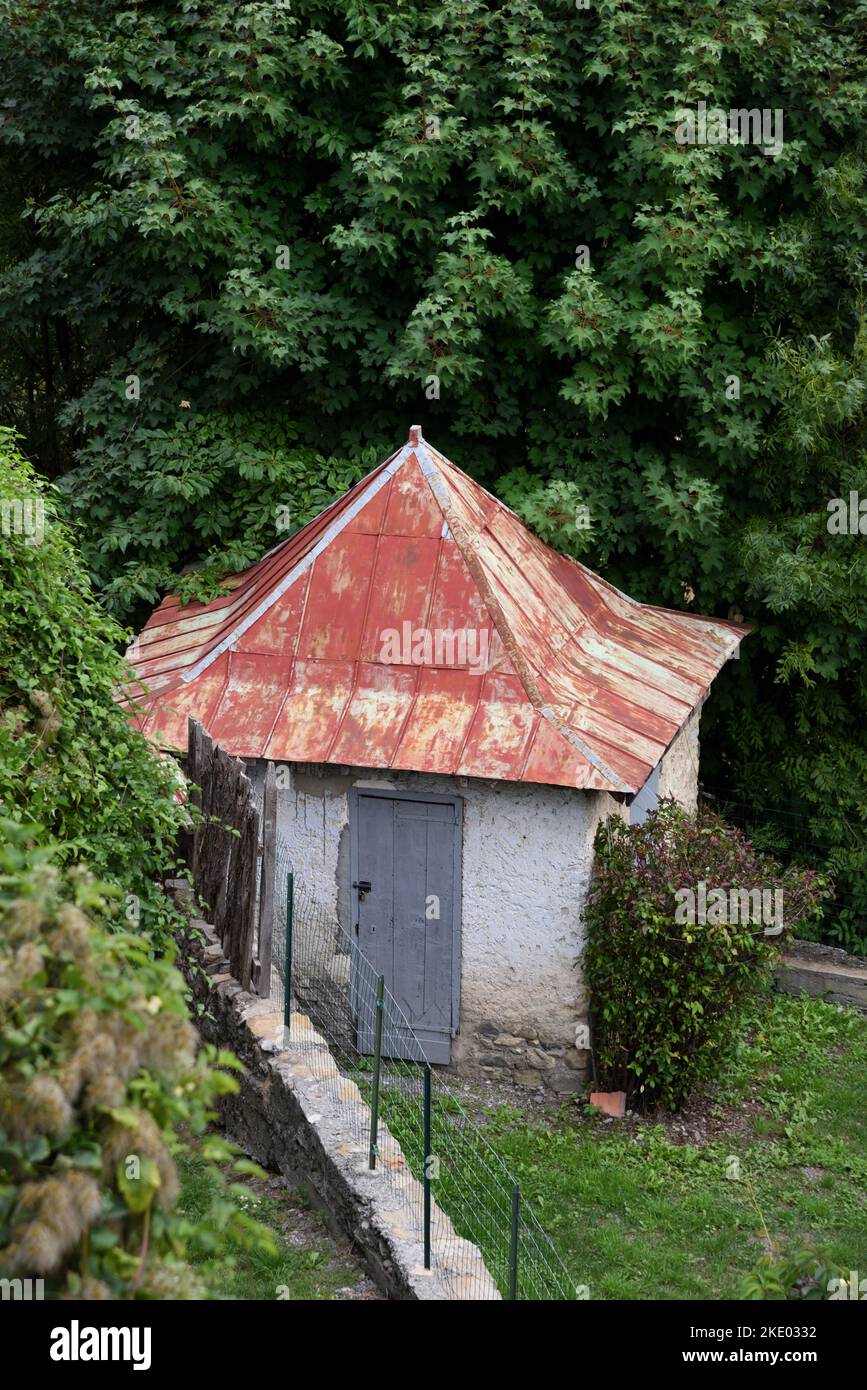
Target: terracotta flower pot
column 610, row 1102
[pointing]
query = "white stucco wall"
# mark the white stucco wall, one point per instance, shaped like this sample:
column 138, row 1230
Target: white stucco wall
column 678, row 771
column 526, row 859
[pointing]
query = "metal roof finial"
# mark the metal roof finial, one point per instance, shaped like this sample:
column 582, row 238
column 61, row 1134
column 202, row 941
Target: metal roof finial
column 415, row 435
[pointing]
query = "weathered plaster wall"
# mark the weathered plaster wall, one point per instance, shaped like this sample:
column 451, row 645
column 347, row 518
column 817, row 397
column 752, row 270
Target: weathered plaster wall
column 526, row 859
column 678, row 771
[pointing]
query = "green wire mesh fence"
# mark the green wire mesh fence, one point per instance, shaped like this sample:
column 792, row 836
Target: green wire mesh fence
column 338, row 1011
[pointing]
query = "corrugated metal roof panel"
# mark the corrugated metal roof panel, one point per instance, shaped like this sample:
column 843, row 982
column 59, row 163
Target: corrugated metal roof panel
column 327, row 649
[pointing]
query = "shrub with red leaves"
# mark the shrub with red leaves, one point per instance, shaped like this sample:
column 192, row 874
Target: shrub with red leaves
column 669, row 961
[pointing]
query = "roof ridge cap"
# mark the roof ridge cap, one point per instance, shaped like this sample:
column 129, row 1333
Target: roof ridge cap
column 384, row 473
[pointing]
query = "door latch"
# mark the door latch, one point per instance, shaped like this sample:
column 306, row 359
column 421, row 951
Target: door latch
column 364, row 886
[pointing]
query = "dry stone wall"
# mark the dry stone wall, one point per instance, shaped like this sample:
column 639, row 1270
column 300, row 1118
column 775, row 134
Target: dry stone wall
column 295, row 1113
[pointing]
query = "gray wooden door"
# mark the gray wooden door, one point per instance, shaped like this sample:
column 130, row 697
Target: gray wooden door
column 407, row 851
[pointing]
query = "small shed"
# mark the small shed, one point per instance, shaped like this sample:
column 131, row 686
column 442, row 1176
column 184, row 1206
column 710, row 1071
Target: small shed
column 452, row 707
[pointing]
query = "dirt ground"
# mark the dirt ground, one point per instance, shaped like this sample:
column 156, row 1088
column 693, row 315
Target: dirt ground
column 304, row 1228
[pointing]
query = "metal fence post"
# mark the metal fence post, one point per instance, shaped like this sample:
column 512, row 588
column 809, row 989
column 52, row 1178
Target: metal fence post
column 513, row 1246
column 427, row 1158
column 377, row 1064
column 287, row 964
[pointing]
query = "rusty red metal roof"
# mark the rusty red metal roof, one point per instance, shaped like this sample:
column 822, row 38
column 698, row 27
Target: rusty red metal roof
column 418, row 624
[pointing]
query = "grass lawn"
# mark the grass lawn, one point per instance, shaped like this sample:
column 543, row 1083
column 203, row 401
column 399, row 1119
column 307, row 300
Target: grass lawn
column 773, row 1159
column 305, row 1262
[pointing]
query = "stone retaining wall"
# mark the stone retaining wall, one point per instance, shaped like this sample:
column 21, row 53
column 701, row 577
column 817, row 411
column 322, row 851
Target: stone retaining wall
column 296, row 1114
column 823, row 972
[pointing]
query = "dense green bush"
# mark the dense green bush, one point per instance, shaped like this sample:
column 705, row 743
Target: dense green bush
column 70, row 761
column 98, row 1065
column 98, row 1069
column 665, row 992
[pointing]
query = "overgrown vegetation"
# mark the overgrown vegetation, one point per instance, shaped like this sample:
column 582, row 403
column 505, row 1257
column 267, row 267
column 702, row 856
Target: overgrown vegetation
column 99, row 1072
column 99, row 1068
column 669, row 975
column 71, row 763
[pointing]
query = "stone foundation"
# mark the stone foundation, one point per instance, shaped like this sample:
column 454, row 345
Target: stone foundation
column 527, row 1059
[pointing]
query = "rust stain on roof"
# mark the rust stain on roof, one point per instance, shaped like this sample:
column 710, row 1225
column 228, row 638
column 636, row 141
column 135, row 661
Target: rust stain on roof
column 560, row 678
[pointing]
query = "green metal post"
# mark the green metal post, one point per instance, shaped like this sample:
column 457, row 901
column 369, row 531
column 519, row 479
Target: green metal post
column 287, row 982
column 513, row 1250
column 377, row 1065
column 427, row 1158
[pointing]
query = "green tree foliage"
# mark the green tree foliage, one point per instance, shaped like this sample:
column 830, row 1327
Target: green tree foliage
column 805, row 571
column 182, row 502
column 327, row 218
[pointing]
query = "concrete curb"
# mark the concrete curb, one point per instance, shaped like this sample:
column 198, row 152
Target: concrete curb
column 825, row 973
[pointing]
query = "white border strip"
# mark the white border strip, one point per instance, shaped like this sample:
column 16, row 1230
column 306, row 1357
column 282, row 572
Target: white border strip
column 303, row 565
